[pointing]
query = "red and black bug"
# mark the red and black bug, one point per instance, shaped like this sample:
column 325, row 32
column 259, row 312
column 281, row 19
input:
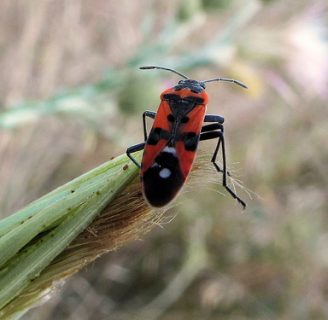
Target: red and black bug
column 170, row 147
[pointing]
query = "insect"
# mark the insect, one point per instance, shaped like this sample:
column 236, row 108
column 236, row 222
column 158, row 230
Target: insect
column 170, row 148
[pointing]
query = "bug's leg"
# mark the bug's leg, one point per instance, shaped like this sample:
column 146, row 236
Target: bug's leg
column 219, row 133
column 217, row 125
column 209, row 128
column 140, row 146
column 149, row 114
column 135, row 148
column 225, row 172
column 207, row 132
column 214, row 118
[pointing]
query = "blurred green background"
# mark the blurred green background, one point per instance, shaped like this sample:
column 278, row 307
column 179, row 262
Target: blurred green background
column 72, row 96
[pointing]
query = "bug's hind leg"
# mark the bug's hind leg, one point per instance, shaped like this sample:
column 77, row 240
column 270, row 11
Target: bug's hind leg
column 213, row 131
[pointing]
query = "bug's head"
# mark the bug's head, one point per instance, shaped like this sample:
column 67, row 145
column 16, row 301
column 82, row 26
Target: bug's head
column 194, row 85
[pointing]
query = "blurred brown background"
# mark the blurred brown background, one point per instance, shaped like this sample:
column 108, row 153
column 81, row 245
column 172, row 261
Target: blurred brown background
column 72, row 96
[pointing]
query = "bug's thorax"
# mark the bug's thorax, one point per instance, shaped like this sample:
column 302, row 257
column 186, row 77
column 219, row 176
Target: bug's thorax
column 186, row 103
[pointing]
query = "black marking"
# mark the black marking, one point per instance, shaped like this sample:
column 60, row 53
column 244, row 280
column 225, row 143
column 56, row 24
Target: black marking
column 154, row 136
column 185, row 119
column 170, row 118
column 160, row 191
column 190, row 140
column 180, row 107
column 171, row 96
column 157, row 134
column 196, row 100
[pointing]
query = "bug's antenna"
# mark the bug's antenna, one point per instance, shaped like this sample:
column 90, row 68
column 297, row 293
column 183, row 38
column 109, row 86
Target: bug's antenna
column 226, row 80
column 163, row 68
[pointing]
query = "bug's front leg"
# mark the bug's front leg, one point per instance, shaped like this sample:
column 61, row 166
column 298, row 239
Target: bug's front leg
column 151, row 115
column 216, row 131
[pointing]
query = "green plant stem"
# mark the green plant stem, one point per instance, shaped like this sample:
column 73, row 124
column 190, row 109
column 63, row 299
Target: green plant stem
column 93, row 190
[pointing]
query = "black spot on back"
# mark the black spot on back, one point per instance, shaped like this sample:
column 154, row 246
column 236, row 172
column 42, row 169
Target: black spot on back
column 190, row 140
column 157, row 134
column 185, row 119
column 154, row 136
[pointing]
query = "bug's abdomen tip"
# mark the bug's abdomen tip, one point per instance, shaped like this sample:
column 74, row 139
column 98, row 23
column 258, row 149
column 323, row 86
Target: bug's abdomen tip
column 162, row 182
